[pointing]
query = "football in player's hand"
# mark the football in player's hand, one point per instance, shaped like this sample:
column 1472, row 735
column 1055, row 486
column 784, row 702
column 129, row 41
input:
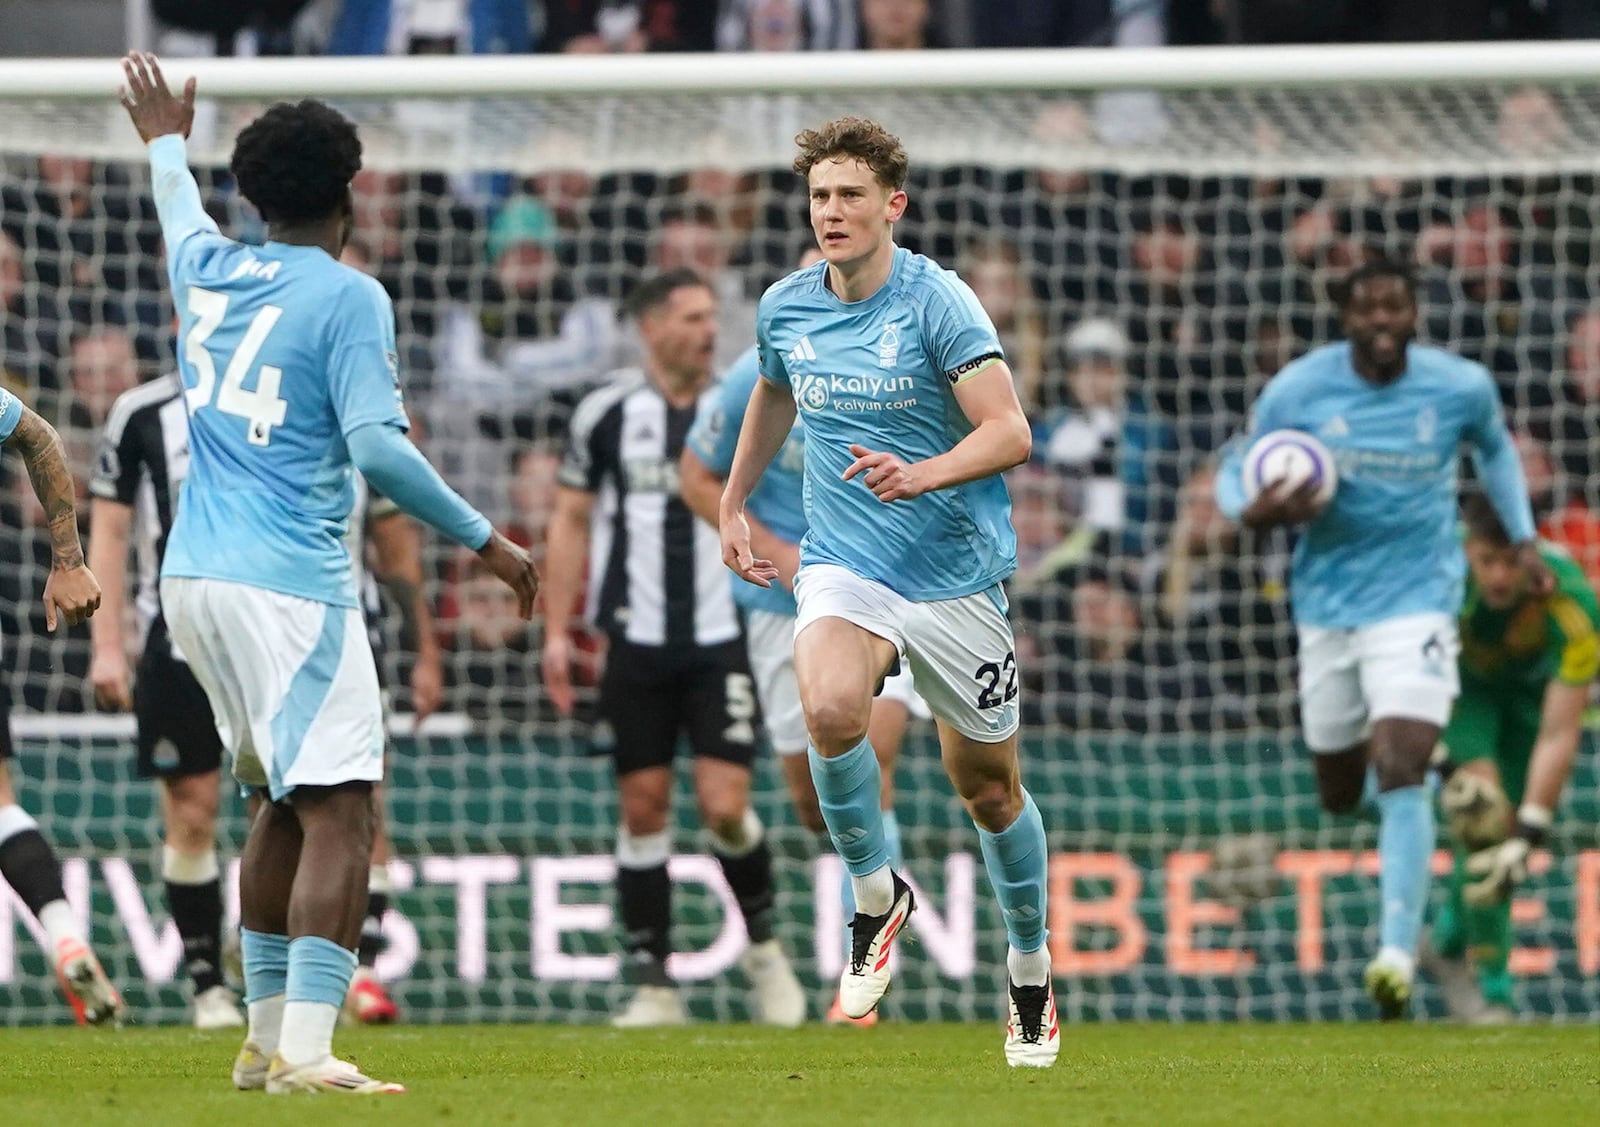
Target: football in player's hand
column 1290, row 459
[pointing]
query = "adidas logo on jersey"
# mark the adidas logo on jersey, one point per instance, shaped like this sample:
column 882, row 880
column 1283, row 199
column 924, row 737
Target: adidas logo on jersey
column 1335, row 427
column 803, row 351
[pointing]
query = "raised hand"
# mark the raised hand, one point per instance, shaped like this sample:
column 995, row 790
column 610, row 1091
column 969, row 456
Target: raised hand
column 155, row 110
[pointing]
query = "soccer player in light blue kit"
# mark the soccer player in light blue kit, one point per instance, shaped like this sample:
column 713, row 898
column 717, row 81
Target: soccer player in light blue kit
column 1377, row 578
column 911, row 416
column 777, row 517
column 289, row 370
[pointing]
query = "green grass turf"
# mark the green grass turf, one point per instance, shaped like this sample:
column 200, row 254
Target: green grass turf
column 906, row 1075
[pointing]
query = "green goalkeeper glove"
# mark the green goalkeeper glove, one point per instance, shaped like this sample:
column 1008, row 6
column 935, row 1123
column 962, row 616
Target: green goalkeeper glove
column 1500, row 869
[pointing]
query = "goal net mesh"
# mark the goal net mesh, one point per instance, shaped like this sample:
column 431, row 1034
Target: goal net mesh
column 1150, row 260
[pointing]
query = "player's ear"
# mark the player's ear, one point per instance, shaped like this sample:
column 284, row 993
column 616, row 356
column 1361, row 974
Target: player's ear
column 897, row 204
column 347, row 217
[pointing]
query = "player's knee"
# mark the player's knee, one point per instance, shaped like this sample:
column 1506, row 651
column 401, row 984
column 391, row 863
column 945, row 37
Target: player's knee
column 1399, row 767
column 994, row 804
column 644, row 813
column 723, row 814
column 835, row 724
column 191, row 814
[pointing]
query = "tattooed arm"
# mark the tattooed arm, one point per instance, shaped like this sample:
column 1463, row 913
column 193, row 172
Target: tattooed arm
column 71, row 587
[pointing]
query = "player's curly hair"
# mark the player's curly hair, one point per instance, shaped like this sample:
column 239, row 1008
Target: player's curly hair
column 295, row 162
column 866, row 141
column 1376, row 266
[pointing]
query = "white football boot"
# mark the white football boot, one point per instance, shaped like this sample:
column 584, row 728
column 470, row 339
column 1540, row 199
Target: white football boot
column 1033, row 1032
column 217, row 1008
column 778, row 996
column 1388, row 980
column 330, row 1074
column 250, row 1068
column 866, row 980
column 89, row 992
column 652, row 1006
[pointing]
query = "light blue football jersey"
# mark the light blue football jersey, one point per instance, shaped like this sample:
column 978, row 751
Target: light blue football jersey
column 777, row 500
column 10, row 414
column 1386, row 545
column 880, row 373
column 283, row 352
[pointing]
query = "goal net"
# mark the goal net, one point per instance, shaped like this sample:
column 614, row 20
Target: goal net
column 1154, row 234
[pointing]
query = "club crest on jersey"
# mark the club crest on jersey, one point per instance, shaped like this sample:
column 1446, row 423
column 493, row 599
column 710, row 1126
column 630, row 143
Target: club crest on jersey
column 888, row 347
column 1427, row 424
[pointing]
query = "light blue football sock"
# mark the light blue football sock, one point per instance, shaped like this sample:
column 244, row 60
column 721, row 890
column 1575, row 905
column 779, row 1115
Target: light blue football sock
column 319, row 971
column 266, row 963
column 1018, row 861
column 848, row 793
column 1405, row 845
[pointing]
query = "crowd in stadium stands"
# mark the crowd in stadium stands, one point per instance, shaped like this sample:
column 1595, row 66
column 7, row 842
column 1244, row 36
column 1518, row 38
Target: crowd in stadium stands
column 376, row 27
column 1141, row 315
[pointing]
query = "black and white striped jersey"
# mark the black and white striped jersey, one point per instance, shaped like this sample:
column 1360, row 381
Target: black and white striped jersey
column 142, row 461
column 656, row 576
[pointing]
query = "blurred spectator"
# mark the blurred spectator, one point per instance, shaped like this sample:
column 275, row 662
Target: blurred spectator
column 628, row 26
column 695, row 237
column 897, row 25
column 1100, row 670
column 992, row 266
column 532, row 493
column 491, row 651
column 1223, row 608
column 22, row 354
column 432, row 27
column 787, row 25
column 1039, row 514
column 529, row 336
column 1477, row 301
column 1042, row 23
column 1571, row 423
column 101, row 365
column 220, row 24
column 1113, row 448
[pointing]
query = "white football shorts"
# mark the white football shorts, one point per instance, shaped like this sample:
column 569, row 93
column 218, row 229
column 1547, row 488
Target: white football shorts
column 291, row 682
column 771, row 640
column 1401, row 668
column 961, row 652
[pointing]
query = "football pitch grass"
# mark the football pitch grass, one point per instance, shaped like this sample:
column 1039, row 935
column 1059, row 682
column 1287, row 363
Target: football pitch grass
column 911, row 1075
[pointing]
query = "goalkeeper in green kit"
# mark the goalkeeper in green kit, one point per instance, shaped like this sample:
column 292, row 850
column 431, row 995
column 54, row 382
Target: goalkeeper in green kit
column 1527, row 665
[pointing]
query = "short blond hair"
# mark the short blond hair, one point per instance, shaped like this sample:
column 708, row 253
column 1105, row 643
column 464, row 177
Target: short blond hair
column 866, row 141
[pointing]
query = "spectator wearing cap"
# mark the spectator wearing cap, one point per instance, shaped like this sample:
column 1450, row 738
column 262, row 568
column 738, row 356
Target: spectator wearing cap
column 516, row 360
column 1114, row 450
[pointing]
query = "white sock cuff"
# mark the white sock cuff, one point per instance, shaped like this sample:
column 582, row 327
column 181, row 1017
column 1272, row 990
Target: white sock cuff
column 13, row 821
column 59, row 922
column 378, row 880
column 189, row 868
column 745, row 838
column 643, row 851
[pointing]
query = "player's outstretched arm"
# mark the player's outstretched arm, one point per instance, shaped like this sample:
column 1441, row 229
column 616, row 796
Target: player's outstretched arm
column 702, row 492
column 1501, row 868
column 109, row 678
column 1000, row 438
column 767, row 422
column 398, row 470
column 71, row 588
column 397, row 564
column 1500, row 469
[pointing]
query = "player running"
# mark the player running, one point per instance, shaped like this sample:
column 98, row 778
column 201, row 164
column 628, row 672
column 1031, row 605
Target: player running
column 1377, row 574
column 911, row 416
column 290, row 376
column 1527, row 664
column 27, row 862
